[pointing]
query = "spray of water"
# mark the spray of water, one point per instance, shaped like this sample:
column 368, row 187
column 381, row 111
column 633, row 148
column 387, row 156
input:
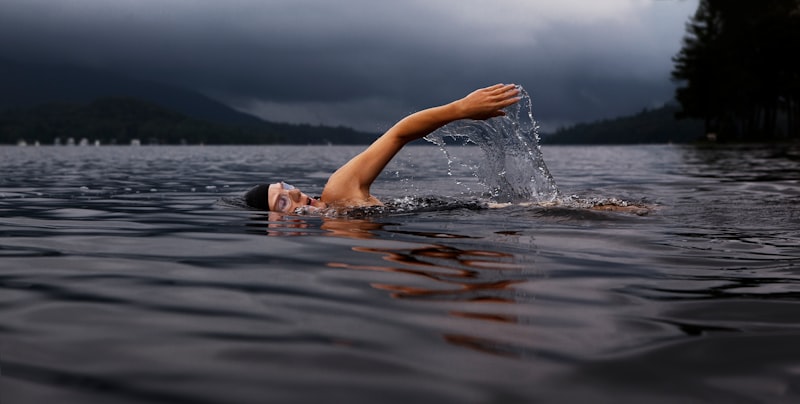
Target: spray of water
column 512, row 167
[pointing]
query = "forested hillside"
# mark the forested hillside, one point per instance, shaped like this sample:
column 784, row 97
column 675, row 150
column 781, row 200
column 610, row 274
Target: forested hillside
column 41, row 103
column 648, row 126
column 118, row 120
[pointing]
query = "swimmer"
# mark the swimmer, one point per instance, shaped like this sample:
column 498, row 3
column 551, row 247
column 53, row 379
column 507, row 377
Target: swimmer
column 350, row 185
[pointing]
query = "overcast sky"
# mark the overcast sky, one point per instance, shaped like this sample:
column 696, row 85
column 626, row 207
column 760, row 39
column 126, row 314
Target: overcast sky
column 367, row 63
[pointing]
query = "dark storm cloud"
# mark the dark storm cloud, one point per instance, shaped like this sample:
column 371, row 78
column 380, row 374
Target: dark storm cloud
column 366, row 63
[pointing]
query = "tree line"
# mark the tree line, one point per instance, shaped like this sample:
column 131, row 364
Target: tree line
column 119, row 120
column 656, row 125
column 739, row 71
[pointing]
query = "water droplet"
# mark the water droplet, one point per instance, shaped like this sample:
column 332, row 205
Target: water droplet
column 512, row 167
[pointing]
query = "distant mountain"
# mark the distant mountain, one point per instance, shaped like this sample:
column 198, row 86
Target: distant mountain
column 120, row 121
column 648, row 126
column 36, row 100
column 28, row 85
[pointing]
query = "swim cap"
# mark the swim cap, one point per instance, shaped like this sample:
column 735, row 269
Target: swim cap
column 256, row 197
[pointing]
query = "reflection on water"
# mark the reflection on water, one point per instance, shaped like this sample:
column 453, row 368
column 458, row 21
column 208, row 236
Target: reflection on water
column 432, row 272
column 124, row 280
column 442, row 273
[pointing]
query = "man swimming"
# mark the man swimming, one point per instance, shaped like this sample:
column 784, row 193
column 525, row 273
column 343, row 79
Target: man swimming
column 350, row 185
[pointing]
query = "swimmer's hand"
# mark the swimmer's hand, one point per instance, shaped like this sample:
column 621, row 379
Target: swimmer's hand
column 487, row 102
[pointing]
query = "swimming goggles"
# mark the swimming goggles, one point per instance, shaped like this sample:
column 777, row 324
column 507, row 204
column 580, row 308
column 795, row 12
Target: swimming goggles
column 283, row 202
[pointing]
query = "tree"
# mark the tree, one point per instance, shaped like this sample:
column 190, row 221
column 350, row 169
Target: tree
column 739, row 68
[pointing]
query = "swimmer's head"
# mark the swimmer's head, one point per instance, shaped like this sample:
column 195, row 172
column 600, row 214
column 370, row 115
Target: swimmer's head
column 279, row 197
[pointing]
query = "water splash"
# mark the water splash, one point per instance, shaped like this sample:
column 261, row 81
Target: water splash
column 512, row 168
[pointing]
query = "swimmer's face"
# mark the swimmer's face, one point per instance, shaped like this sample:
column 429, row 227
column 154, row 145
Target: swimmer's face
column 285, row 198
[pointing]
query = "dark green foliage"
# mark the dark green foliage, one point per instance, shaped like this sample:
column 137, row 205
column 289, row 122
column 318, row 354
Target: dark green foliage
column 648, row 126
column 39, row 102
column 120, row 120
column 740, row 69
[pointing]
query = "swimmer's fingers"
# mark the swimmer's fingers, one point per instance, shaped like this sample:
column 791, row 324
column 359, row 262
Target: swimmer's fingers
column 500, row 111
column 488, row 102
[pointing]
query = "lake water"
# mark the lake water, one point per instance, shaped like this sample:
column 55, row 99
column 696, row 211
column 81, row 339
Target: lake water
column 130, row 275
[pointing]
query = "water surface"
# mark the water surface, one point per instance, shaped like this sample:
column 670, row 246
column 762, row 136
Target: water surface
column 126, row 277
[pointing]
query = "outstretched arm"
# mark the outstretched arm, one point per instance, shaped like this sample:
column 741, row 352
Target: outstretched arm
column 352, row 181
